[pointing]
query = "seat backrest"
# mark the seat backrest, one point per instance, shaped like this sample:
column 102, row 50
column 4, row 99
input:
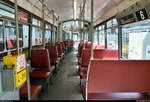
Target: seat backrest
column 106, row 54
column 40, row 60
column 86, row 57
column 99, row 47
column 63, row 45
column 110, row 76
column 98, row 54
column 59, row 47
column 87, row 45
column 53, row 51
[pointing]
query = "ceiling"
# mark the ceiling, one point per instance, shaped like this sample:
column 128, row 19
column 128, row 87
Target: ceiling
column 64, row 8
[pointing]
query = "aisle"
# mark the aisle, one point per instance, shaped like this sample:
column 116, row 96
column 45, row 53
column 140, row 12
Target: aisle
column 66, row 83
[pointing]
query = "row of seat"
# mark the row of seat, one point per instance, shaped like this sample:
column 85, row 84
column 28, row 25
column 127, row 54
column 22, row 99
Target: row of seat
column 110, row 78
column 99, row 53
column 44, row 66
column 118, row 80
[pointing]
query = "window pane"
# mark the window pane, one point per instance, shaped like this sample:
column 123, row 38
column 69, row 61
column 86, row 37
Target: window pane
column 112, row 38
column 115, row 23
column 102, row 27
column 10, row 37
column 136, row 43
column 25, row 36
column 36, row 36
column 95, row 38
column 1, row 39
column 36, row 22
column 112, row 23
column 21, row 35
column 102, row 38
column 109, row 23
column 48, row 36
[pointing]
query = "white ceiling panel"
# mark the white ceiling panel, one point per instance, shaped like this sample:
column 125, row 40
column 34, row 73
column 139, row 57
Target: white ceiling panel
column 64, row 8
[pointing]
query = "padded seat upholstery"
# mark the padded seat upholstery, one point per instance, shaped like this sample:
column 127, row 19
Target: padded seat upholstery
column 52, row 68
column 35, row 91
column 40, row 75
column 55, row 61
column 119, row 80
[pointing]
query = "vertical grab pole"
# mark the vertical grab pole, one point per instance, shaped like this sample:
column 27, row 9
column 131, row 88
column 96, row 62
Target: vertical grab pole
column 16, row 17
column 120, row 40
column 98, row 36
column 28, row 82
column 92, row 35
column 83, row 28
column 92, row 27
column 53, row 34
column 106, row 43
column 58, row 34
column 43, row 24
column 80, row 28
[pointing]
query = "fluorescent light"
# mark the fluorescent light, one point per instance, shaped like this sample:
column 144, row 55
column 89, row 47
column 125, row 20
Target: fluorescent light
column 75, row 9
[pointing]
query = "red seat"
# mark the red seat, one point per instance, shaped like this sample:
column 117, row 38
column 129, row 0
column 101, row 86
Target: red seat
column 60, row 51
column 71, row 44
column 52, row 68
column 53, row 52
column 35, row 91
column 119, row 80
column 118, row 96
column 83, row 74
column 63, row 46
column 40, row 60
column 55, row 61
column 40, row 75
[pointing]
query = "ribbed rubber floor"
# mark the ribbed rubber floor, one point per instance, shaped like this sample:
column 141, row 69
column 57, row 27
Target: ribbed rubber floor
column 66, row 84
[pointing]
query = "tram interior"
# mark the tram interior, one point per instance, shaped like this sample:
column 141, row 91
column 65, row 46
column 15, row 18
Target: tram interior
column 75, row 50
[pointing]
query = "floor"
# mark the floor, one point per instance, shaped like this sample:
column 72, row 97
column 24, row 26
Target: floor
column 66, row 85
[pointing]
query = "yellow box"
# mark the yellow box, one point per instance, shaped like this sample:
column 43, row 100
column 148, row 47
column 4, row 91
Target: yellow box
column 19, row 63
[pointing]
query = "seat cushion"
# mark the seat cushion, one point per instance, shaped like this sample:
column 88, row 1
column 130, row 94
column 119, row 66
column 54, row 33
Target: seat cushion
column 61, row 55
column 35, row 91
column 118, row 96
column 52, row 68
column 54, row 61
column 83, row 75
column 40, row 75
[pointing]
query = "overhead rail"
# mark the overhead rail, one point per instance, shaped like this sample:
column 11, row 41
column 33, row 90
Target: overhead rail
column 72, row 19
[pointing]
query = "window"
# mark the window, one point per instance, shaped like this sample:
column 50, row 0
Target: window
column 101, row 35
column 135, row 41
column 21, row 35
column 102, row 38
column 10, row 37
column 7, row 11
column 96, row 36
column 36, row 36
column 36, row 22
column 48, row 36
column 25, row 36
column 1, row 38
column 112, row 38
column 112, row 35
column 111, row 23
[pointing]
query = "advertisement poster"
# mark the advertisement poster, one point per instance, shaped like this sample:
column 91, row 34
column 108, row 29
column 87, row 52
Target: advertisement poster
column 21, row 64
